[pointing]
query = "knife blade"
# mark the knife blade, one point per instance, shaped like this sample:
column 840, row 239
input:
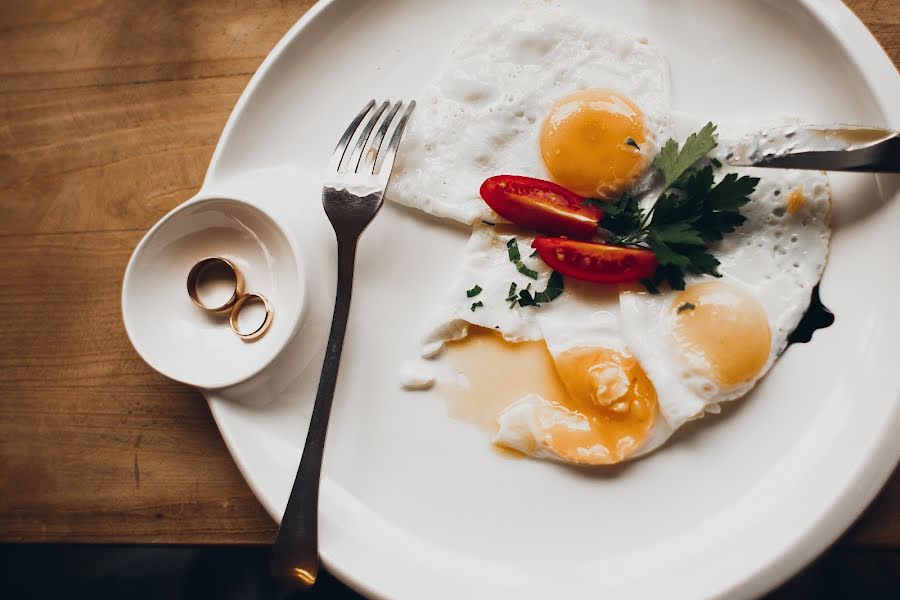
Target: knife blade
column 819, row 147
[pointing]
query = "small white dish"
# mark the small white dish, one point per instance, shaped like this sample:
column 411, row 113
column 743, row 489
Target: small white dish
column 184, row 342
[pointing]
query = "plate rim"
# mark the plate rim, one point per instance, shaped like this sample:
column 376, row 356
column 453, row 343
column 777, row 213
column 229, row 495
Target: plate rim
column 870, row 60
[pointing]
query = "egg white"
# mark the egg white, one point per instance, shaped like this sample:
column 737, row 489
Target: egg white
column 486, row 263
column 483, row 114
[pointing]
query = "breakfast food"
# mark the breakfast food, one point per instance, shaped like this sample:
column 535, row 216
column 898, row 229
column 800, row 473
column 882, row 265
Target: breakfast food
column 525, row 95
column 617, row 283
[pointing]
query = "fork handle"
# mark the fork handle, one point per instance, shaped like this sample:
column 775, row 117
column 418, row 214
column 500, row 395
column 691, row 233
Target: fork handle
column 295, row 553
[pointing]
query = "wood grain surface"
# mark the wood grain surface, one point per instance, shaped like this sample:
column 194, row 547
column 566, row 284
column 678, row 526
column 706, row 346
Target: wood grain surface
column 109, row 113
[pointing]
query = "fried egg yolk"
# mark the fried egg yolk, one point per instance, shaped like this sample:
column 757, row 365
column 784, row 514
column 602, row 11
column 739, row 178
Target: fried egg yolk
column 726, row 328
column 591, row 143
column 607, row 390
column 611, row 389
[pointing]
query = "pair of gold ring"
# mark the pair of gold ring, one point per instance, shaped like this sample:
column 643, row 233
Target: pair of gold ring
column 235, row 303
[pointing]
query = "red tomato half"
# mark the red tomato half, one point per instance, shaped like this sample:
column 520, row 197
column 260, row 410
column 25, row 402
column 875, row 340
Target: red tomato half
column 541, row 206
column 599, row 263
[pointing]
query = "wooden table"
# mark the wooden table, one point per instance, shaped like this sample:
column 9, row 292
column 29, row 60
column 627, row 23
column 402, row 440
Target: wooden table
column 109, row 113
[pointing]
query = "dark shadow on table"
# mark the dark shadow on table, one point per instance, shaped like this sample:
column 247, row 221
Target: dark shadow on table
column 31, row 571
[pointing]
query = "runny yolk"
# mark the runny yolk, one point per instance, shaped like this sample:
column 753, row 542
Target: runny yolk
column 724, row 326
column 795, row 200
column 611, row 389
column 593, row 143
column 607, row 389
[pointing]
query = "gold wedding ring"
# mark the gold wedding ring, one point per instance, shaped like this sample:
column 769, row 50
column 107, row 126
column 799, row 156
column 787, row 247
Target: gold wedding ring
column 236, row 302
column 204, row 267
column 249, row 336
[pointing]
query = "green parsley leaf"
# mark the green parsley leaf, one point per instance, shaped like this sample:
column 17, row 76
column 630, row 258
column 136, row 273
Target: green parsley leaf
column 512, row 248
column 668, row 274
column 488, row 223
column 474, row 291
column 702, row 260
column 650, row 286
column 691, row 212
column 679, row 233
column 674, row 162
column 478, row 304
column 668, row 256
column 673, row 208
column 621, row 217
column 720, row 214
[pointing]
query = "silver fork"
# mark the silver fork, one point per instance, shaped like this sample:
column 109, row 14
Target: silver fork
column 352, row 195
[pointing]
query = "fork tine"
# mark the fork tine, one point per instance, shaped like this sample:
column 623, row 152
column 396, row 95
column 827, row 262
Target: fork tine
column 353, row 163
column 375, row 148
column 387, row 164
column 341, row 149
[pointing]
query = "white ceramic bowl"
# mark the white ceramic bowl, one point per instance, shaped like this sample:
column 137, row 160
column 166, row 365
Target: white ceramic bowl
column 184, row 342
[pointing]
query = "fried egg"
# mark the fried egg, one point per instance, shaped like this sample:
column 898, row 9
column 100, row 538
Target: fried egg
column 601, row 374
column 553, row 381
column 714, row 340
column 539, row 92
column 606, row 408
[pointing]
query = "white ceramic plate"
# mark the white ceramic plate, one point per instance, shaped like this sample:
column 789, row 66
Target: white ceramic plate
column 414, row 504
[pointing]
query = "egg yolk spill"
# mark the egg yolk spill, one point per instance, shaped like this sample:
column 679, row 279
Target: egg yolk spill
column 607, row 388
column 591, row 143
column 795, row 200
column 726, row 327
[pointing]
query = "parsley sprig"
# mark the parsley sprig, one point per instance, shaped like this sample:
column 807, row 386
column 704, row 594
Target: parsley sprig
column 691, row 212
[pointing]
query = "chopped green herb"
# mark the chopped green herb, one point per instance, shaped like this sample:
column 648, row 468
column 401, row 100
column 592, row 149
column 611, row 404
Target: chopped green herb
column 488, row 223
column 630, row 141
column 716, row 162
column 513, row 250
column 686, row 306
column 691, row 212
column 477, row 305
column 549, row 294
column 511, row 296
column 533, row 254
column 526, row 299
column 474, row 291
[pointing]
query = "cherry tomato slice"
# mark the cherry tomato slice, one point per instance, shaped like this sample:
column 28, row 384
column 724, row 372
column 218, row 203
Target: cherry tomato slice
column 599, row 263
column 541, row 206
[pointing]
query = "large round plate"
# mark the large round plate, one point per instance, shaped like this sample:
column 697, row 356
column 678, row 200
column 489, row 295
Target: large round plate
column 415, row 504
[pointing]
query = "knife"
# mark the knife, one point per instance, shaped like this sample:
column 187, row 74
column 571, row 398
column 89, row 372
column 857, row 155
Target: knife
column 819, row 147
